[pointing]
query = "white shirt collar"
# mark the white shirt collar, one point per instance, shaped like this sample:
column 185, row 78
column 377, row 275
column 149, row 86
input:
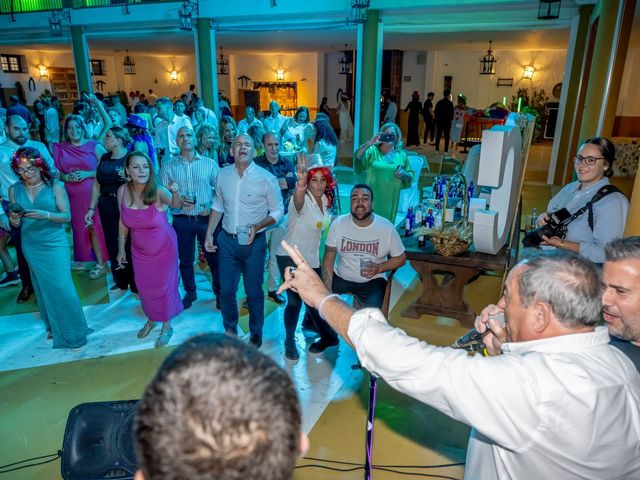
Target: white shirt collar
column 576, row 341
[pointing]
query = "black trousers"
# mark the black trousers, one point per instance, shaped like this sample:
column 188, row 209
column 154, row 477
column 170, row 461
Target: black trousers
column 369, row 294
column 294, row 305
column 16, row 238
column 429, row 128
column 443, row 128
column 110, row 218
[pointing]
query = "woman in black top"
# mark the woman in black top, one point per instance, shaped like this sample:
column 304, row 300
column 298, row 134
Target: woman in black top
column 110, row 175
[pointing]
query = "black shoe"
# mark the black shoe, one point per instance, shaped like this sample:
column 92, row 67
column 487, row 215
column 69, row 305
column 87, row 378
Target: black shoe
column 10, row 279
column 321, row 345
column 25, row 294
column 188, row 299
column 256, row 340
column 276, row 297
column 291, row 350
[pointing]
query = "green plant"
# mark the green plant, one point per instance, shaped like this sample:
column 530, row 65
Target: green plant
column 534, row 104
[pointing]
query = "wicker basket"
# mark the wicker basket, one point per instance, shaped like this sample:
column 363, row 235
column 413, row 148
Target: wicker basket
column 452, row 240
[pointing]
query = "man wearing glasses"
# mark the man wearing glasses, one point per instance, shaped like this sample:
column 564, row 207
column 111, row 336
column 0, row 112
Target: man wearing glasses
column 605, row 220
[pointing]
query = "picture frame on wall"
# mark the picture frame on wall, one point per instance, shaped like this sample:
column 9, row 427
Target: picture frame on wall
column 505, row 82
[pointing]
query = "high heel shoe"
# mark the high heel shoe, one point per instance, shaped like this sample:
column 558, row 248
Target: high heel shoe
column 144, row 331
column 163, row 339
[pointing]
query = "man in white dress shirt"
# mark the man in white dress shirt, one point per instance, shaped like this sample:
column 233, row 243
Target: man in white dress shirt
column 560, row 402
column 250, row 199
column 275, row 121
column 248, row 120
column 167, row 128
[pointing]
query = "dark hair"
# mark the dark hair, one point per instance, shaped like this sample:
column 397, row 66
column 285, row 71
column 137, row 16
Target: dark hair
column 622, row 249
column 218, row 408
column 140, row 108
column 80, row 106
column 324, row 131
column 431, row 94
column 121, row 133
column 446, row 92
column 33, row 156
column 180, row 100
column 607, row 150
column 362, row 185
column 150, row 191
column 80, row 121
column 299, row 111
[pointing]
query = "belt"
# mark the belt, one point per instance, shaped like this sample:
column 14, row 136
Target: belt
column 235, row 235
column 108, row 194
column 195, row 218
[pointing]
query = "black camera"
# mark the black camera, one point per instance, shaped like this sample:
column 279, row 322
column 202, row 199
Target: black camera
column 555, row 227
column 387, row 137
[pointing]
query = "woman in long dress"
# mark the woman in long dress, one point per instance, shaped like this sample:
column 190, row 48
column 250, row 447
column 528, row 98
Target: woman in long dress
column 387, row 167
column 45, row 210
column 415, row 110
column 344, row 117
column 76, row 159
column 154, row 245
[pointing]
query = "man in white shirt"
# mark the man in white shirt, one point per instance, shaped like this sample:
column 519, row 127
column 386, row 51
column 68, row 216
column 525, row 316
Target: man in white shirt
column 17, row 132
column 249, row 120
column 392, row 110
column 167, row 128
column 250, row 199
column 51, row 123
column 275, row 121
column 195, row 176
column 559, row 403
column 621, row 296
column 366, row 246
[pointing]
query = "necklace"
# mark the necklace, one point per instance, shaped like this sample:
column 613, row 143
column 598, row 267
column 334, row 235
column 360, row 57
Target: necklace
column 34, row 186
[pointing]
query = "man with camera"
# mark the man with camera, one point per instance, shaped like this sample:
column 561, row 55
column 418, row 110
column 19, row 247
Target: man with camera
column 559, row 403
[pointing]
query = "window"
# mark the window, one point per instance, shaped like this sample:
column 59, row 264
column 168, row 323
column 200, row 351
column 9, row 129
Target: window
column 98, row 67
column 13, row 63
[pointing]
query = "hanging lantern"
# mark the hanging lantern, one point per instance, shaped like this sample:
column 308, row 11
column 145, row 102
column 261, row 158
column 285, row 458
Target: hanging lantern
column 359, row 10
column 129, row 65
column 346, row 65
column 548, row 9
column 488, row 62
column 186, row 14
column 223, row 65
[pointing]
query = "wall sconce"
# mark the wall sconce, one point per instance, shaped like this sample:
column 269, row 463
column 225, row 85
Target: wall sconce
column 280, row 74
column 44, row 71
column 55, row 21
column 174, row 75
column 345, row 62
column 548, row 9
column 528, row 72
column 186, row 14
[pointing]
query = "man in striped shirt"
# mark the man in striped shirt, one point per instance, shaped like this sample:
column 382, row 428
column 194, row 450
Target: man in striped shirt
column 195, row 177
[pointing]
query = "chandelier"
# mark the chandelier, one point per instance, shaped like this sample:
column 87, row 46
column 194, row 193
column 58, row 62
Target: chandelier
column 129, row 64
column 223, row 65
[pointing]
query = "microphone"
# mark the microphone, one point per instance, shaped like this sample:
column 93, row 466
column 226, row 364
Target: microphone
column 470, row 337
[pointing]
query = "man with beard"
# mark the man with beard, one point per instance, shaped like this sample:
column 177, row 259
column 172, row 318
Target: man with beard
column 17, row 132
column 621, row 296
column 366, row 245
column 250, row 199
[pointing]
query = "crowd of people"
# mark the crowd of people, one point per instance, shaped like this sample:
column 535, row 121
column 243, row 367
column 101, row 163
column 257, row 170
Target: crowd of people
column 148, row 192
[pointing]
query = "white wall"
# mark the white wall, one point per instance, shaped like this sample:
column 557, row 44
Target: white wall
column 410, row 68
column 332, row 79
column 482, row 90
column 298, row 67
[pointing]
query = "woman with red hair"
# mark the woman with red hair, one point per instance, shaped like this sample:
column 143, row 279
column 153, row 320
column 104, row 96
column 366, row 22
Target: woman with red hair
column 309, row 215
column 40, row 208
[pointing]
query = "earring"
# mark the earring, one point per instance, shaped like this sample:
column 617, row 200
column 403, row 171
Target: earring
column 128, row 178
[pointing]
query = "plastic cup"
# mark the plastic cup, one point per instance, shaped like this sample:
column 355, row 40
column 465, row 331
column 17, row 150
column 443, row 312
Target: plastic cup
column 242, row 233
column 365, row 265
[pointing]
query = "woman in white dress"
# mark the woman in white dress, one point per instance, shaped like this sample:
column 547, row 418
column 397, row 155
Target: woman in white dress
column 297, row 133
column 344, row 116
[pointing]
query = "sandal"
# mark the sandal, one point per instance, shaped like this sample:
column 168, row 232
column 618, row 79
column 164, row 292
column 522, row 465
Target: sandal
column 144, row 331
column 163, row 339
column 98, row 271
column 77, row 266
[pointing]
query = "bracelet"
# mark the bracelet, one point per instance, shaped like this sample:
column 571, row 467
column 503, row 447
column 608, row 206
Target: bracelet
column 122, row 239
column 48, row 215
column 91, row 208
column 333, row 295
column 561, row 243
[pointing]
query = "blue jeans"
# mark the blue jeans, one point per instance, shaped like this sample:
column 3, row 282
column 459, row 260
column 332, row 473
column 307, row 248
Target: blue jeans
column 248, row 260
column 369, row 294
column 188, row 229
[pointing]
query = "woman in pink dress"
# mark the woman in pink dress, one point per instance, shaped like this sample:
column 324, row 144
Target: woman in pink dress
column 154, row 245
column 76, row 158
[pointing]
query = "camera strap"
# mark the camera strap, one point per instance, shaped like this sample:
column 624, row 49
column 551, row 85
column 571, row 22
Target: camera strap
column 601, row 193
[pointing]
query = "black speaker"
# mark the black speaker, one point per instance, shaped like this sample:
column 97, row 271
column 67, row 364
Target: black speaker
column 98, row 442
column 552, row 119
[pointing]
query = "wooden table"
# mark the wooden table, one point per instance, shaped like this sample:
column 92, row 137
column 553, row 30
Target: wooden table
column 447, row 298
